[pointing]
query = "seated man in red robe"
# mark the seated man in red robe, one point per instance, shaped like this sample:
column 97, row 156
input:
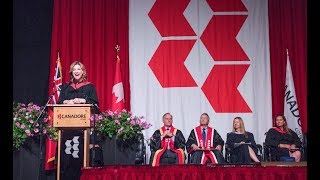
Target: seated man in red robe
column 204, row 143
column 167, row 144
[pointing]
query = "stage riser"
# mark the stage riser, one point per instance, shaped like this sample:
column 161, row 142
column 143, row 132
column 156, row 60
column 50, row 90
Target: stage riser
column 195, row 172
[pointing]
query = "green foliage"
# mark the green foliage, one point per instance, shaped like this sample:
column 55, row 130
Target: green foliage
column 120, row 124
column 26, row 124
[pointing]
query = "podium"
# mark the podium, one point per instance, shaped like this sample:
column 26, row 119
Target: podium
column 73, row 124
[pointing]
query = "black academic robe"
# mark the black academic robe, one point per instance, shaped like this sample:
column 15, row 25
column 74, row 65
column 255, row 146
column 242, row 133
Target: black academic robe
column 197, row 155
column 168, row 156
column 85, row 90
column 239, row 153
column 274, row 138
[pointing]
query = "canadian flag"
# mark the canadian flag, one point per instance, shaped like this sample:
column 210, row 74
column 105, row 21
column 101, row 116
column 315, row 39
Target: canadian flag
column 117, row 89
column 291, row 110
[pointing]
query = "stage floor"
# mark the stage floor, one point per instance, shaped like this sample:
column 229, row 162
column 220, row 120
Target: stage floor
column 302, row 163
column 262, row 171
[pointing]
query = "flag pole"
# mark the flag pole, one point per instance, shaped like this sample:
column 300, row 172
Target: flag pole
column 117, row 89
column 51, row 145
column 117, row 49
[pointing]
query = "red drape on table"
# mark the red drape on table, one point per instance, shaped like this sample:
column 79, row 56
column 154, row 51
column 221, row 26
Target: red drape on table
column 194, row 172
column 288, row 30
column 88, row 31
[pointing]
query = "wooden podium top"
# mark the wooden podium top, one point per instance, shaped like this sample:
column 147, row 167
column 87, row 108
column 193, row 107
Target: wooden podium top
column 70, row 105
column 71, row 115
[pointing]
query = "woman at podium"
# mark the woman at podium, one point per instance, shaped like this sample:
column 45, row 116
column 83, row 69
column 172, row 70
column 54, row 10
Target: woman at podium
column 78, row 90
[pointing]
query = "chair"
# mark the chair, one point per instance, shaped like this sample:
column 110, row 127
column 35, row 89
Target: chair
column 227, row 156
column 96, row 157
column 189, row 157
column 260, row 152
column 266, row 153
column 141, row 152
column 303, row 148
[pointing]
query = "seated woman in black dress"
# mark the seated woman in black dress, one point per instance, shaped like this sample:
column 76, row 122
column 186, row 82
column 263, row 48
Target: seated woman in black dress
column 282, row 141
column 242, row 144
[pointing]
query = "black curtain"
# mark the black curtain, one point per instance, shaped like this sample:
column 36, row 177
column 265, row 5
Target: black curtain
column 32, row 20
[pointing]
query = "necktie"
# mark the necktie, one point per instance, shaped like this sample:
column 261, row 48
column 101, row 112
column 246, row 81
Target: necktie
column 168, row 140
column 204, row 135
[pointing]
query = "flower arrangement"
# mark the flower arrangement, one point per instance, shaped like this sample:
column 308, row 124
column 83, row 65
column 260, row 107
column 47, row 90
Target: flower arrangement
column 25, row 123
column 121, row 124
column 52, row 133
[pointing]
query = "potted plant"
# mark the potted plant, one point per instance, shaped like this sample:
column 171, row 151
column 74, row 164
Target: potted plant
column 122, row 134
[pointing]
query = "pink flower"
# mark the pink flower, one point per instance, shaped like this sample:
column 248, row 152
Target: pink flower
column 37, row 108
column 110, row 113
column 120, row 130
column 27, row 131
column 25, row 123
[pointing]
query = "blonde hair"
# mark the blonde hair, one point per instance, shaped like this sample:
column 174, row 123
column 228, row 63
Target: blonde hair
column 83, row 68
column 242, row 128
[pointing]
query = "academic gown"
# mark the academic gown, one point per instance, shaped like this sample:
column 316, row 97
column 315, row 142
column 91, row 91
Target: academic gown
column 197, row 155
column 87, row 91
column 275, row 137
column 240, row 152
column 168, row 156
column 84, row 90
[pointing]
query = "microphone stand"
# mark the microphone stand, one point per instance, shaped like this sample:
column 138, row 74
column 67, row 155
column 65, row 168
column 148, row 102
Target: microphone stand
column 41, row 129
column 96, row 152
column 96, row 111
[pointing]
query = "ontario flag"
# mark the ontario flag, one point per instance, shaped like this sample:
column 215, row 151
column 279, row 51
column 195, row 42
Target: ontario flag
column 117, row 89
column 291, row 110
column 57, row 81
column 51, row 145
